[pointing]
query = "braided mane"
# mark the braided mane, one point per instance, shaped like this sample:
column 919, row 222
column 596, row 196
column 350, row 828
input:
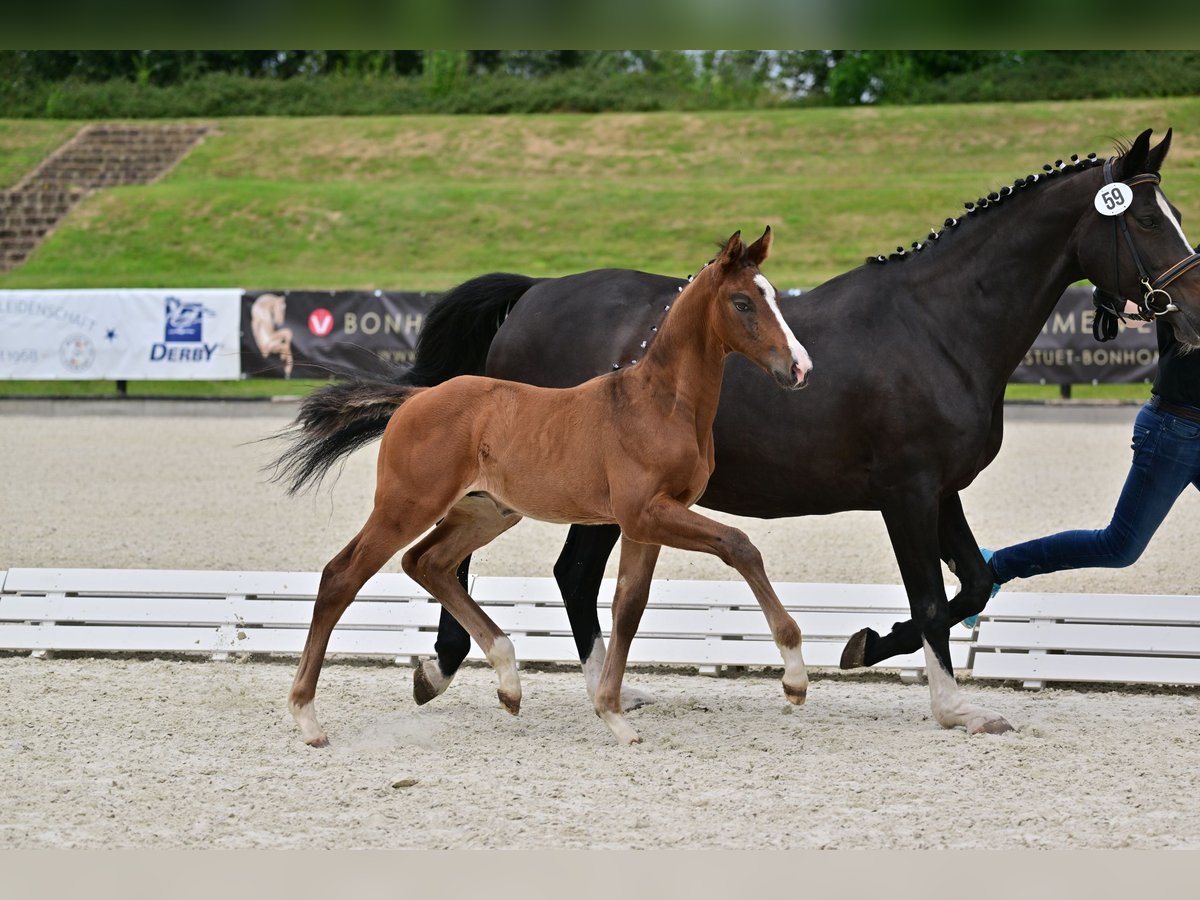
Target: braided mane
column 995, row 198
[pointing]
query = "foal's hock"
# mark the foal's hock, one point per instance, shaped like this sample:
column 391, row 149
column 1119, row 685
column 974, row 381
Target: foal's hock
column 633, row 448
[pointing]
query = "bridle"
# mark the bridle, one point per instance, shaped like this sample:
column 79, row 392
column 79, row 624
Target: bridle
column 1155, row 301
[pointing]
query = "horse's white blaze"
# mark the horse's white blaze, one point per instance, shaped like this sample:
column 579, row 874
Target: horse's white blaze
column 799, row 354
column 1166, row 211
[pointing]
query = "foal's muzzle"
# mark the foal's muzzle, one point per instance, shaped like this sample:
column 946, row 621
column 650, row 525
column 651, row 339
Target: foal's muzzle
column 795, row 378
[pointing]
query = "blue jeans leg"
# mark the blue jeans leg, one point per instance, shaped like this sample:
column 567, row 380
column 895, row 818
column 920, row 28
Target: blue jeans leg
column 1166, row 459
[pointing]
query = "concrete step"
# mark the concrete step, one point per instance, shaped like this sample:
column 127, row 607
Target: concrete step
column 99, row 156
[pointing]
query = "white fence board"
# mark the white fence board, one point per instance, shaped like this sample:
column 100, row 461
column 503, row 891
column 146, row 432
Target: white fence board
column 1033, row 637
column 1108, row 669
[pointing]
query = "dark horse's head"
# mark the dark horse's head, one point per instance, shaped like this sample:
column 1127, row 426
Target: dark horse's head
column 745, row 312
column 1132, row 246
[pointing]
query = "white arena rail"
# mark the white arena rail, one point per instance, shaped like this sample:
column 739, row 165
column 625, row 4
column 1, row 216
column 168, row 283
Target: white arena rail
column 1032, row 638
column 709, row 624
column 1129, row 639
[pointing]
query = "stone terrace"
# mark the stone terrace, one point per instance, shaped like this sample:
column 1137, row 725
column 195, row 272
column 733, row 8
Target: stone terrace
column 99, row 156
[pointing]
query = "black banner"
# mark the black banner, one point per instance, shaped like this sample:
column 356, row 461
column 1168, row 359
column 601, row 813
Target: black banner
column 1066, row 353
column 315, row 334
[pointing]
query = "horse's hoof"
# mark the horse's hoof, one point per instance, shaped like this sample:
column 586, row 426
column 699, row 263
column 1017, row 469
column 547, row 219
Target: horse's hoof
column 318, row 741
column 423, row 689
column 998, row 725
column 510, row 702
column 855, row 652
column 632, row 698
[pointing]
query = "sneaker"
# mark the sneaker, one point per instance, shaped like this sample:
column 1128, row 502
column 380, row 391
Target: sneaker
column 972, row 621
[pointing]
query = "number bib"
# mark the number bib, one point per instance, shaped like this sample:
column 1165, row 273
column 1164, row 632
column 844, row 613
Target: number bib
column 1113, row 199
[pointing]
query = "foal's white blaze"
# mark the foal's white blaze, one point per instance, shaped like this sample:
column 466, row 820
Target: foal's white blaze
column 1166, row 211
column 800, row 356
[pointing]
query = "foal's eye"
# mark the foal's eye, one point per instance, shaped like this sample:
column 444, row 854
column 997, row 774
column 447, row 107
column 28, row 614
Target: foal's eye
column 741, row 303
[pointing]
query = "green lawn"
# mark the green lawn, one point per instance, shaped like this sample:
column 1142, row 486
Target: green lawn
column 424, row 202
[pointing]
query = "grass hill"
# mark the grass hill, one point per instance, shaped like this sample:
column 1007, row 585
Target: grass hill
column 424, row 202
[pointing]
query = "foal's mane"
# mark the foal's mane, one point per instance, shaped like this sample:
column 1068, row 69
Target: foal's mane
column 983, row 205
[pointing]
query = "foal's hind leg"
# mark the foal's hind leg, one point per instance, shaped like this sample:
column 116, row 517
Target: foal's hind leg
column 474, row 521
column 341, row 581
column 668, row 522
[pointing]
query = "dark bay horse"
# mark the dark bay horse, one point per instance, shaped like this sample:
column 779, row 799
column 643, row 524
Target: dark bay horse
column 905, row 409
column 632, row 448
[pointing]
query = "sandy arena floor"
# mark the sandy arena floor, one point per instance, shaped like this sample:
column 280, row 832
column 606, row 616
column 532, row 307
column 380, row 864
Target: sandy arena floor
column 139, row 752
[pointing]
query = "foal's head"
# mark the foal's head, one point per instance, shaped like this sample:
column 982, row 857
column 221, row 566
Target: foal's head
column 744, row 311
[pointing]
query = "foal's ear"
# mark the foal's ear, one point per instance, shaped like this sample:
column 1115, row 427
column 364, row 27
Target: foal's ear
column 760, row 249
column 732, row 251
column 1154, row 159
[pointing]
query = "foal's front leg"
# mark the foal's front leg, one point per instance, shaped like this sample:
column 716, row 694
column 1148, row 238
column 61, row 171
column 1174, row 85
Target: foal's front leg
column 668, row 522
column 629, row 602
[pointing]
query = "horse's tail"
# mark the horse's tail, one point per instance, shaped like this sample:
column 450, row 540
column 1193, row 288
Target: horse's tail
column 338, row 419
column 333, row 422
column 459, row 329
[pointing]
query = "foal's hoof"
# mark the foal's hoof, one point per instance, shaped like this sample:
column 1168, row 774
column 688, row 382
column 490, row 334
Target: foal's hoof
column 510, row 702
column 998, row 725
column 795, row 695
column 854, row 654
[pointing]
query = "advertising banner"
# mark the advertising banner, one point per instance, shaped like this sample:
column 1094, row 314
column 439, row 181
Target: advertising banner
column 136, row 334
column 315, row 334
column 1066, row 353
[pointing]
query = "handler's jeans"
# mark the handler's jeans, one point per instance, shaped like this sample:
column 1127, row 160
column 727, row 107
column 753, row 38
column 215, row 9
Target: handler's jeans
column 1166, row 459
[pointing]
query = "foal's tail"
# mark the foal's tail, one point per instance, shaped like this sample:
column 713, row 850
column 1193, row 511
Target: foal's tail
column 338, row 419
column 333, row 422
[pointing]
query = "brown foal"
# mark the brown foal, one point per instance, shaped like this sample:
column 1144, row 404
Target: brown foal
column 633, row 447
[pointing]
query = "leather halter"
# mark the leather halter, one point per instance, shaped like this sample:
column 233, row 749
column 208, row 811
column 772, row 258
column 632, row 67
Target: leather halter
column 1155, row 301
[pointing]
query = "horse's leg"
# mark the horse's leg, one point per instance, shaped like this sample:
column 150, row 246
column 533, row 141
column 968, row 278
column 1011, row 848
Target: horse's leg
column 958, row 548
column 341, row 581
column 668, row 522
column 633, row 589
column 912, row 524
column 433, row 563
column 579, row 571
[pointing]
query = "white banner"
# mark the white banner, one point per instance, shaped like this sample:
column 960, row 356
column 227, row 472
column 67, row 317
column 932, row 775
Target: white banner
column 134, row 334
